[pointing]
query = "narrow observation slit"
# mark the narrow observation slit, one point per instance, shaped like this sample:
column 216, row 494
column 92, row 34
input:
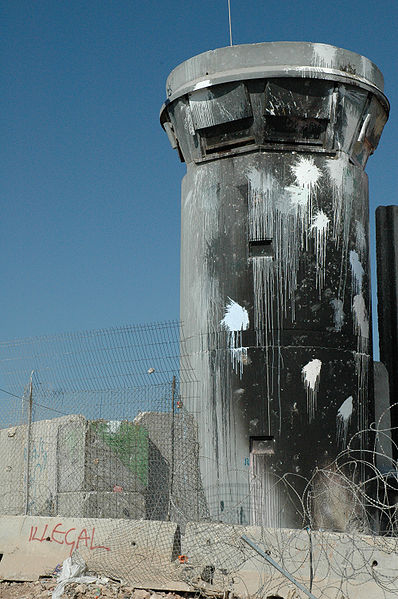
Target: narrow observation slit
column 261, row 247
column 263, row 445
column 229, row 145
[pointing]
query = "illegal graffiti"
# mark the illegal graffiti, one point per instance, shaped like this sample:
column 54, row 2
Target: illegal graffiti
column 73, row 537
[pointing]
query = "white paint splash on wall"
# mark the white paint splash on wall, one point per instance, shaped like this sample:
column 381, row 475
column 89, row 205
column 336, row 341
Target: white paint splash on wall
column 261, row 214
column 188, row 122
column 324, row 55
column 298, row 196
column 338, row 314
column 343, row 418
column 236, row 320
column 283, row 214
column 341, row 181
column 320, row 221
column 319, row 228
column 360, row 236
column 357, row 271
column 236, row 317
column 202, row 84
column 306, row 173
column 361, row 322
column 311, row 374
column 265, row 494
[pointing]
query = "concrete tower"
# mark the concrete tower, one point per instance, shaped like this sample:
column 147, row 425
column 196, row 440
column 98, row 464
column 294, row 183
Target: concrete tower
column 275, row 267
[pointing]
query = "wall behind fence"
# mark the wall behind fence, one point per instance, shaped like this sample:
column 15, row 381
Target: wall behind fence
column 94, row 425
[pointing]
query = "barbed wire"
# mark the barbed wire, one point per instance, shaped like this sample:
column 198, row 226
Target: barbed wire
column 108, row 436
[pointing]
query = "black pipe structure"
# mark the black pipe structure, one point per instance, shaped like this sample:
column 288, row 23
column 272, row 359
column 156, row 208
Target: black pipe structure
column 387, row 306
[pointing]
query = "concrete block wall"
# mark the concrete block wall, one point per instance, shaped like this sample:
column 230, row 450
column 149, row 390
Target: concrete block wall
column 100, row 469
column 93, row 480
column 36, row 472
column 12, row 460
column 217, row 560
column 70, row 470
column 175, row 488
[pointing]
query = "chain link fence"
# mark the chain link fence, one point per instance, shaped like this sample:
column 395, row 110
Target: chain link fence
column 92, row 425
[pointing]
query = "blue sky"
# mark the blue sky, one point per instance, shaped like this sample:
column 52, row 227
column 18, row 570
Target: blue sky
column 90, row 190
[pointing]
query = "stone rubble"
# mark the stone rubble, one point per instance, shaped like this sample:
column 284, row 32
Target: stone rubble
column 42, row 589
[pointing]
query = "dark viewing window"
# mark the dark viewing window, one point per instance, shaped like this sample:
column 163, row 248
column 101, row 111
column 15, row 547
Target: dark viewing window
column 261, row 248
column 295, row 129
column 297, row 111
column 262, row 445
column 226, row 147
column 227, row 136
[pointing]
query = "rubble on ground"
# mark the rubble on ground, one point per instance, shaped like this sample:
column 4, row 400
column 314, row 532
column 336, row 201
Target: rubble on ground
column 43, row 589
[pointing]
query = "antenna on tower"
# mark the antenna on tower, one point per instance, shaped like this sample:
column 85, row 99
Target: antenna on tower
column 230, row 23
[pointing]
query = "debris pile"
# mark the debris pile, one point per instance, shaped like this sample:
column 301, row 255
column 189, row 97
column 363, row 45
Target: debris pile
column 107, row 589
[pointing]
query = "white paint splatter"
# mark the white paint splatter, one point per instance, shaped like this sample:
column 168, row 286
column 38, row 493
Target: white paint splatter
column 361, row 322
column 320, row 221
column 283, row 214
column 236, row 317
column 239, row 358
column 298, row 196
column 341, row 177
column 236, row 320
column 337, row 173
column 324, row 55
column 188, row 122
column 343, row 418
column 306, row 173
column 202, row 84
column 311, row 374
column 265, row 493
column 336, row 168
column 338, row 314
column 357, row 271
column 319, row 228
column 360, row 236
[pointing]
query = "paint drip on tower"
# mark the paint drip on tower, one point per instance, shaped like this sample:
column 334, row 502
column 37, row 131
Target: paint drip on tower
column 275, row 266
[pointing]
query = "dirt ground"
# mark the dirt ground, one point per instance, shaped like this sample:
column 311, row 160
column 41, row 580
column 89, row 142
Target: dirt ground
column 42, row 589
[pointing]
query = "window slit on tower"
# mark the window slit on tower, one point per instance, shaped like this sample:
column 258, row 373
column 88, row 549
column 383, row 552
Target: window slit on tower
column 262, row 445
column 259, row 248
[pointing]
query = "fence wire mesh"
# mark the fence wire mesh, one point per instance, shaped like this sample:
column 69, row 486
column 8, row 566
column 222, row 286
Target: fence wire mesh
column 93, row 426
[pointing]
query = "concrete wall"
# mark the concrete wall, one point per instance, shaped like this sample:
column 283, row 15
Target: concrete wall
column 71, row 470
column 142, row 553
column 80, row 468
column 174, row 485
column 42, row 476
column 145, row 555
column 344, row 566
